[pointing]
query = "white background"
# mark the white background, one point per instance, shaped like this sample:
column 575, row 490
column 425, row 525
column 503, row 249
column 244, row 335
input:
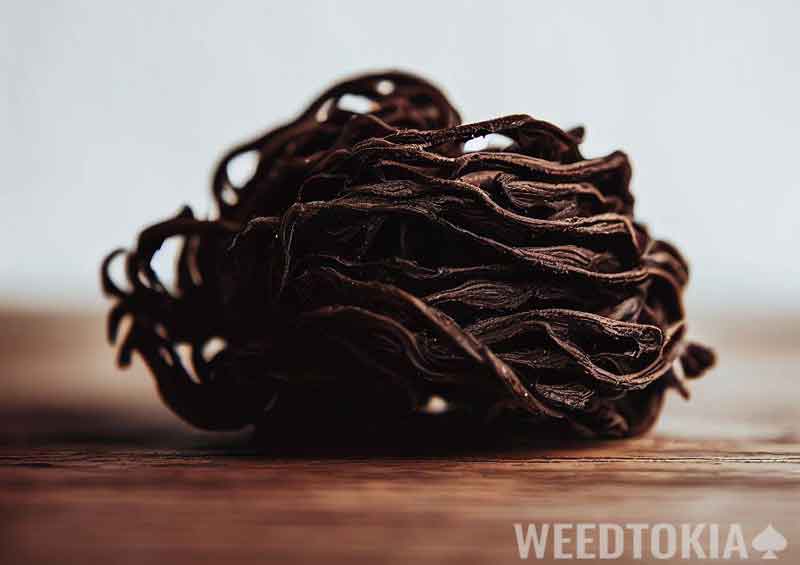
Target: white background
column 114, row 113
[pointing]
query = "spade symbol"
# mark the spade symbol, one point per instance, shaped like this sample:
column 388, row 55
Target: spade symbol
column 769, row 540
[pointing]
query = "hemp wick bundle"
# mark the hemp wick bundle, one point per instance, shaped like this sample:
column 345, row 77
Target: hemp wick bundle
column 371, row 263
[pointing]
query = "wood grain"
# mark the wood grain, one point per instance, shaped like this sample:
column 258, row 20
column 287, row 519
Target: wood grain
column 93, row 469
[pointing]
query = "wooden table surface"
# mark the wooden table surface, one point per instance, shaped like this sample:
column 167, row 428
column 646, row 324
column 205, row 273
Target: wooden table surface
column 93, row 469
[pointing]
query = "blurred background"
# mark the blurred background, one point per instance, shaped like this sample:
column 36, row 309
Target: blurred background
column 114, row 114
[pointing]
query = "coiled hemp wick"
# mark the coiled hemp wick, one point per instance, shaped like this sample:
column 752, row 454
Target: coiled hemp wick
column 371, row 263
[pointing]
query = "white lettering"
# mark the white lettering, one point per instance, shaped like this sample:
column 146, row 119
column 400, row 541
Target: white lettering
column 583, row 538
column 690, row 541
column 539, row 542
column 619, row 547
column 637, row 530
column 560, row 540
column 657, row 548
column 735, row 542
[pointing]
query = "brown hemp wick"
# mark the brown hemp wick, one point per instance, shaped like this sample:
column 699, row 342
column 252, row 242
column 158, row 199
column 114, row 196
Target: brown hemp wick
column 371, row 263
